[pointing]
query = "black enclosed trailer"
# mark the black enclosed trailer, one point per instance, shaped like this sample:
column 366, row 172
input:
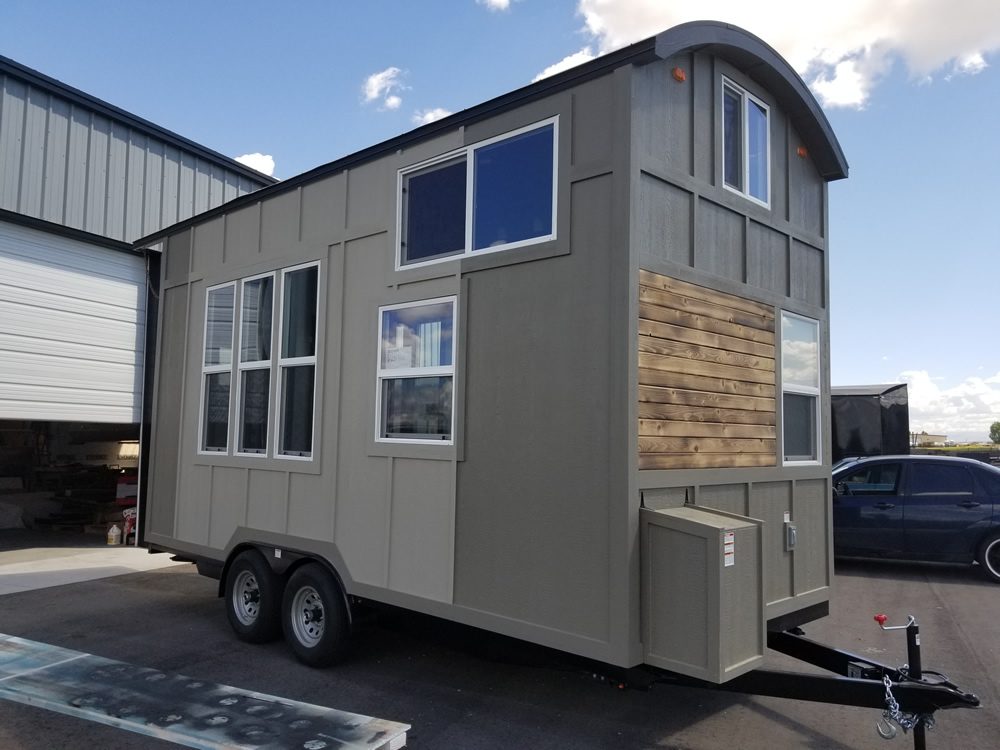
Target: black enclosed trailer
column 869, row 420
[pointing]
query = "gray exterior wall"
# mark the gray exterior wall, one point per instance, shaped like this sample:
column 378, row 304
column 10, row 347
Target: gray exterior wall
column 72, row 160
column 685, row 224
column 529, row 523
column 509, row 528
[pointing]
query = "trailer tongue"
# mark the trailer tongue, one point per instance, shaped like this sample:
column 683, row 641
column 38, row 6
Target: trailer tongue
column 908, row 696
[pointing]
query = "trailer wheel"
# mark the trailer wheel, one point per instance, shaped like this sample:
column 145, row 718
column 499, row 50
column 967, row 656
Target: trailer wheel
column 253, row 597
column 314, row 616
column 989, row 556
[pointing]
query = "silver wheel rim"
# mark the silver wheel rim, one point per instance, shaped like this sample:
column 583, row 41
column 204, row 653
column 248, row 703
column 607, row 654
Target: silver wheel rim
column 307, row 616
column 246, row 598
column 992, row 558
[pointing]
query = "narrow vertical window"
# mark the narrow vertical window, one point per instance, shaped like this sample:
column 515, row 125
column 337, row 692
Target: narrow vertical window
column 297, row 361
column 416, row 371
column 732, row 138
column 746, row 144
column 217, row 368
column 800, row 387
column 256, row 310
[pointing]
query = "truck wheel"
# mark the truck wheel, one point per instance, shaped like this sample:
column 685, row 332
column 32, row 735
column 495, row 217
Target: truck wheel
column 314, row 616
column 989, row 556
column 253, row 596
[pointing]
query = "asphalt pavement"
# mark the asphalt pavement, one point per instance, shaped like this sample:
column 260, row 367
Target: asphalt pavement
column 460, row 689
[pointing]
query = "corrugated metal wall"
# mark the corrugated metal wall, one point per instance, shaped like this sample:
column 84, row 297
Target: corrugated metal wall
column 66, row 163
column 72, row 326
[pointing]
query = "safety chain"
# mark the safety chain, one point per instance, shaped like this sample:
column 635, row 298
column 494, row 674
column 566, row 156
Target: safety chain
column 906, row 721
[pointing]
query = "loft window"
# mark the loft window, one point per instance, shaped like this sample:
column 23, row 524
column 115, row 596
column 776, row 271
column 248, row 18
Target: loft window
column 800, row 388
column 416, row 371
column 746, row 144
column 256, row 311
column 495, row 195
column 297, row 361
column 217, row 364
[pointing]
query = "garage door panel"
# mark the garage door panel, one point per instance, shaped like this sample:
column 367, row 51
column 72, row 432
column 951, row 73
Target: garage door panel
column 72, row 329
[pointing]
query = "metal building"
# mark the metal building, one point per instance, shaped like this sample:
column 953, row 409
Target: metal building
column 555, row 366
column 80, row 180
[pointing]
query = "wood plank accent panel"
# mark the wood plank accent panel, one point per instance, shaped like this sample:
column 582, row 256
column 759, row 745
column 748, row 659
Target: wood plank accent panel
column 706, row 377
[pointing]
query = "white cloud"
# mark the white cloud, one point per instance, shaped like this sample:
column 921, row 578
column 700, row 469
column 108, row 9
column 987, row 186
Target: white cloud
column 570, row 61
column 963, row 412
column 840, row 49
column 425, row 116
column 261, row 162
column 495, row 5
column 384, row 85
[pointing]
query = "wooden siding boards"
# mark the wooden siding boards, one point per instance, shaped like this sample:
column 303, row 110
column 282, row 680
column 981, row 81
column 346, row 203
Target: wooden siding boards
column 706, row 378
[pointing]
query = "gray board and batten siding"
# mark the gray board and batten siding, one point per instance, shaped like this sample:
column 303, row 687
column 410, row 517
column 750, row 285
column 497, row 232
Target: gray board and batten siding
column 527, row 521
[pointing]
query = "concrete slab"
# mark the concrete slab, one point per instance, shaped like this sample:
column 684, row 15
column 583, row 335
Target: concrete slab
column 41, row 567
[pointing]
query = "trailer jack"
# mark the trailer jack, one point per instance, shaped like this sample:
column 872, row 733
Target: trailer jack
column 907, row 696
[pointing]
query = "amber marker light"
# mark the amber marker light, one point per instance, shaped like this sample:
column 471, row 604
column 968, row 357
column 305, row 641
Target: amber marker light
column 802, row 151
column 679, row 74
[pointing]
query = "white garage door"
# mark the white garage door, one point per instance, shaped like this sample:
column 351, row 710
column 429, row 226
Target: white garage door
column 72, row 325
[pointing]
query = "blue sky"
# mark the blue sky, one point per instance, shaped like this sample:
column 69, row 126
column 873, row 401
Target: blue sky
column 912, row 91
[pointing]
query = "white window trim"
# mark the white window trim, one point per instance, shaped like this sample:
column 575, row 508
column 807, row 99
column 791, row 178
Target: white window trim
column 207, row 370
column 416, row 372
column 745, row 97
column 242, row 367
column 804, row 391
column 469, row 154
column 285, row 363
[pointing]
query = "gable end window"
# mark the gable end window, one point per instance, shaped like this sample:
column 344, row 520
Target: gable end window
column 746, row 144
column 495, row 195
column 800, row 388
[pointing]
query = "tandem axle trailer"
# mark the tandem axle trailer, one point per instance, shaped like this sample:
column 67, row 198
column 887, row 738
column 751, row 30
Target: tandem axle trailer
column 555, row 367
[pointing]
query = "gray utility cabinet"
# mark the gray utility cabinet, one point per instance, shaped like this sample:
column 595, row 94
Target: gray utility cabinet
column 703, row 586
column 464, row 369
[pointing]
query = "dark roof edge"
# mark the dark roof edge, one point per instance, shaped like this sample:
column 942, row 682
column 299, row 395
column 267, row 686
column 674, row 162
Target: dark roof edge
column 688, row 36
column 12, row 217
column 865, row 390
column 638, row 53
column 783, row 83
column 42, row 81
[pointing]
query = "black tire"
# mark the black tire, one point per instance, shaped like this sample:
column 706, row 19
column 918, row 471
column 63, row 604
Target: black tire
column 253, row 598
column 314, row 616
column 989, row 556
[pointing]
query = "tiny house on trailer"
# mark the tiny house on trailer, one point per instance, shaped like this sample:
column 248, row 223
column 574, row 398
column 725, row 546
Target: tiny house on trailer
column 555, row 366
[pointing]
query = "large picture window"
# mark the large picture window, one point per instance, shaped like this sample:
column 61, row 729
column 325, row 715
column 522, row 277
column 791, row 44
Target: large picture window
column 217, row 366
column 746, row 144
column 416, row 371
column 495, row 195
column 800, row 387
column 297, row 361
